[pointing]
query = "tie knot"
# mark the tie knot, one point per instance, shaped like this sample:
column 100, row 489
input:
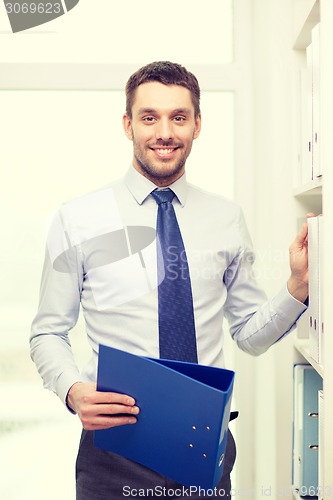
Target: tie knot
column 163, row 196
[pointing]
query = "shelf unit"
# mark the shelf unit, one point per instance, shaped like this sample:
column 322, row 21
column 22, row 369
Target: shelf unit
column 313, row 188
column 316, row 196
column 301, row 346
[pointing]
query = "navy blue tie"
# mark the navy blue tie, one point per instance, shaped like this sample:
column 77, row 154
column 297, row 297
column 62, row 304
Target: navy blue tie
column 175, row 302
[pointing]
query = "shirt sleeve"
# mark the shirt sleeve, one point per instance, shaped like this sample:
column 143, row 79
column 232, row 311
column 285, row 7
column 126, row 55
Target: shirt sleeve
column 58, row 310
column 255, row 322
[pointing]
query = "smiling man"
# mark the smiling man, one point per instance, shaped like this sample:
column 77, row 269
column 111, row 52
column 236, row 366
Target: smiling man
column 100, row 256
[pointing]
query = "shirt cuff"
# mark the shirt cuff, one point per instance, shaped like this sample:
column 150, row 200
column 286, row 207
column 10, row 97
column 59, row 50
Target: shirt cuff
column 65, row 382
column 286, row 306
column 303, row 305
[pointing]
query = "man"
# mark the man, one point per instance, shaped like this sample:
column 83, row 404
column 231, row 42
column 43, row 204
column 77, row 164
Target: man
column 102, row 255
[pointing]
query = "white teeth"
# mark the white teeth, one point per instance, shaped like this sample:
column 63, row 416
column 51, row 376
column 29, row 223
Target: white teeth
column 163, row 152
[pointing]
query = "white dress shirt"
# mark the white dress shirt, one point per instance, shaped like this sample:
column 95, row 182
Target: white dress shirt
column 101, row 254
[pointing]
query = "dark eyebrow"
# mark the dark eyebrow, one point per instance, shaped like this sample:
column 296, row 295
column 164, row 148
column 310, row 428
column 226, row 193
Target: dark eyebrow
column 144, row 111
column 178, row 111
column 182, row 111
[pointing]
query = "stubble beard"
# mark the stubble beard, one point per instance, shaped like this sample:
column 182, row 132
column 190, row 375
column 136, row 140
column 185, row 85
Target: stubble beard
column 157, row 172
column 154, row 169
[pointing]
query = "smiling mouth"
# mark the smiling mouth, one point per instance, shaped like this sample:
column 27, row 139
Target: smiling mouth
column 163, row 152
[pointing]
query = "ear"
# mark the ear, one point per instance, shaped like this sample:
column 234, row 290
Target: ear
column 197, row 126
column 127, row 124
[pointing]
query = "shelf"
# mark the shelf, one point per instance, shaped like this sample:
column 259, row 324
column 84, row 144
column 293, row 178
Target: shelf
column 312, row 188
column 302, row 346
column 306, row 15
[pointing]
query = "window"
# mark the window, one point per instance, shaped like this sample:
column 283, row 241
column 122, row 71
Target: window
column 131, row 32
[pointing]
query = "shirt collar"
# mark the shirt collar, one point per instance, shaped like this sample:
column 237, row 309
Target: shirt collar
column 141, row 187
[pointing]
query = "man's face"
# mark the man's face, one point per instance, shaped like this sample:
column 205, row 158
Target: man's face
column 162, row 129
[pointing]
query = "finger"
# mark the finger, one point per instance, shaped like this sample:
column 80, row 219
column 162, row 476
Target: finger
column 90, row 412
column 303, row 232
column 116, row 421
column 300, row 238
column 106, row 422
column 114, row 397
column 116, row 409
column 302, row 235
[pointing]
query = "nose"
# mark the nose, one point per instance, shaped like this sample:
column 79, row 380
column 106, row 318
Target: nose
column 164, row 130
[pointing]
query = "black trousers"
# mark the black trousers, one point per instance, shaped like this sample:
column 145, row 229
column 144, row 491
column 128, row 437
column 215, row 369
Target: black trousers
column 101, row 475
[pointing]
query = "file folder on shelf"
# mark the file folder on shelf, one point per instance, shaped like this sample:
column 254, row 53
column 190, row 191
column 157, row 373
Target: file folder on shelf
column 316, row 321
column 307, row 383
column 321, row 443
column 182, row 427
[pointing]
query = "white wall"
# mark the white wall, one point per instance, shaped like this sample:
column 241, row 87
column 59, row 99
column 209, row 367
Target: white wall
column 272, row 27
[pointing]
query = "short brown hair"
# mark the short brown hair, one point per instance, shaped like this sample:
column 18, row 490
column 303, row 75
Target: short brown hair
column 167, row 73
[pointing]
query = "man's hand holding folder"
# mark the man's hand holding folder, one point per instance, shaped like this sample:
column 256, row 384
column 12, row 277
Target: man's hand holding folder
column 101, row 410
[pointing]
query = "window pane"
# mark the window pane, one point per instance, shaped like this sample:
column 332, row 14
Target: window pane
column 134, row 31
column 55, row 146
column 211, row 164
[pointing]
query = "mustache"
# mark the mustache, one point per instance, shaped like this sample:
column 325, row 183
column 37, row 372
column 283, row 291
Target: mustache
column 166, row 144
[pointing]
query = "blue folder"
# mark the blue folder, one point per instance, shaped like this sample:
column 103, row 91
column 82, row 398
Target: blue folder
column 182, row 426
column 307, row 383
